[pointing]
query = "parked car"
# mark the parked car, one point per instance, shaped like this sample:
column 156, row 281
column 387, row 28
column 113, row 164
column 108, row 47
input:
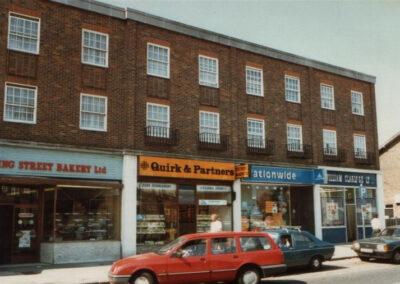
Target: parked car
column 244, row 257
column 301, row 248
column 384, row 246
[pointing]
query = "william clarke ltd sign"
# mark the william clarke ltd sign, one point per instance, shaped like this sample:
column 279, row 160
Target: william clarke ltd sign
column 181, row 168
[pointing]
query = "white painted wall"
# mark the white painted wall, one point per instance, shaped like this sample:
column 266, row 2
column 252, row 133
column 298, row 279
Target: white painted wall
column 237, row 207
column 128, row 205
column 317, row 211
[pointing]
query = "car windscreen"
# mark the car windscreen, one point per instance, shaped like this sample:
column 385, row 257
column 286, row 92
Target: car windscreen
column 168, row 247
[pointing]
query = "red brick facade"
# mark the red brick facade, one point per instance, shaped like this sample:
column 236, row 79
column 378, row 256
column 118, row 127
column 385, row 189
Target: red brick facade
column 61, row 77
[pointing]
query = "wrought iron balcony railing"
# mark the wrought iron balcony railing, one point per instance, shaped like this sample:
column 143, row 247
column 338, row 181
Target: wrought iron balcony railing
column 212, row 141
column 161, row 135
column 260, row 146
column 300, row 151
column 334, row 154
column 362, row 157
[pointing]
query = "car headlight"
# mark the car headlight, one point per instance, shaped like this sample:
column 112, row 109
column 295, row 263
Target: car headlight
column 355, row 246
column 382, row 247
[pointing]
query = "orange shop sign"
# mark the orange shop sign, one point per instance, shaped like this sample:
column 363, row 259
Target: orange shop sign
column 180, row 168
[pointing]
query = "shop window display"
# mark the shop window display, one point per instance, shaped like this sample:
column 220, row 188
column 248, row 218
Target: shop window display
column 332, row 207
column 264, row 206
column 367, row 208
column 82, row 214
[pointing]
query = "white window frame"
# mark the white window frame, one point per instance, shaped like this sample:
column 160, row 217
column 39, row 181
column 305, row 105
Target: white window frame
column 329, row 148
column 209, row 84
column 148, row 59
column 325, row 97
column 93, row 48
column 300, row 149
column 25, row 18
column 217, row 140
column 262, row 136
column 253, row 69
column 362, row 103
column 360, row 153
column 105, row 113
column 167, row 122
column 293, row 90
column 29, row 87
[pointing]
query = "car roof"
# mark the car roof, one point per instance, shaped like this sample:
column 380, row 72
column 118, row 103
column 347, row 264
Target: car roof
column 223, row 234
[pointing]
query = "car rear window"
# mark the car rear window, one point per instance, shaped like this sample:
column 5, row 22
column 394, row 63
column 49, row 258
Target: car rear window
column 254, row 243
column 301, row 239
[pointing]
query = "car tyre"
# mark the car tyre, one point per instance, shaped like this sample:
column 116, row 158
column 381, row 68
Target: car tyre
column 396, row 256
column 364, row 258
column 250, row 275
column 142, row 278
column 315, row 263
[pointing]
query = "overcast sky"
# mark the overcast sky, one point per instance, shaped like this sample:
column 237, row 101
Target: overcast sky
column 362, row 35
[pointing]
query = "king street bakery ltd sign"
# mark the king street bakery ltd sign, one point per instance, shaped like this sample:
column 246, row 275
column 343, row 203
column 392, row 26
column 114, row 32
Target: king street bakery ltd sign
column 188, row 169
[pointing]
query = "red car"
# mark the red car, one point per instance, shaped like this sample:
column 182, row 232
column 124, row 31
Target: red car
column 244, row 257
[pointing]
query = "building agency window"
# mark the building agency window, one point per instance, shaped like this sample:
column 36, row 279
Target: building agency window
column 357, row 106
column 292, row 89
column 23, row 33
column 255, row 133
column 327, row 97
column 264, row 206
column 294, row 138
column 367, row 207
column 157, row 60
column 208, row 71
column 82, row 214
column 209, row 127
column 94, row 48
column 20, row 103
column 332, row 207
column 157, row 122
column 254, row 81
column 93, row 112
column 329, row 137
column 360, row 148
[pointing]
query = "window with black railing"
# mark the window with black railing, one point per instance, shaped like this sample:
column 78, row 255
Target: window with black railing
column 213, row 141
column 334, row 154
column 260, row 146
column 297, row 150
column 161, row 135
column 363, row 157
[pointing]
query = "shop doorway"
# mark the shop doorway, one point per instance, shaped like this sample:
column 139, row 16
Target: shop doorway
column 351, row 222
column 6, row 213
column 302, row 208
column 187, row 209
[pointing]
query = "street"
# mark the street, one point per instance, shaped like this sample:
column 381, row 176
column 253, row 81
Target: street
column 342, row 272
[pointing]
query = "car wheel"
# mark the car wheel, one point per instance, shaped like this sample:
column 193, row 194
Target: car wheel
column 315, row 263
column 396, row 256
column 364, row 258
column 249, row 276
column 142, row 278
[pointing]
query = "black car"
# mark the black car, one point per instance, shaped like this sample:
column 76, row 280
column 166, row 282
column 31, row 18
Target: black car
column 384, row 246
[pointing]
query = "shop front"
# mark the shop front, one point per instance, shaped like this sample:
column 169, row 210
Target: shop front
column 178, row 196
column 348, row 201
column 59, row 206
column 273, row 196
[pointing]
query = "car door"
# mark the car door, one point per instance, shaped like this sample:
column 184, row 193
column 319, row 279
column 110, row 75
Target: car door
column 304, row 246
column 189, row 263
column 290, row 253
column 224, row 259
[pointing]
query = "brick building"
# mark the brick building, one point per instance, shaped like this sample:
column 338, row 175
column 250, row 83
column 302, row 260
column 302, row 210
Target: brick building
column 124, row 129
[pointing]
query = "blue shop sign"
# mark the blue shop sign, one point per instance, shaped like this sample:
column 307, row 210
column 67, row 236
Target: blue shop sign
column 285, row 175
column 351, row 178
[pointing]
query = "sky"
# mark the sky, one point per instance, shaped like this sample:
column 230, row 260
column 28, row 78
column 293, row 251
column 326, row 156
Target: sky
column 361, row 35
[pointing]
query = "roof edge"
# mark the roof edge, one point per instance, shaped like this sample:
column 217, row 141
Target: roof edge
column 390, row 143
column 143, row 17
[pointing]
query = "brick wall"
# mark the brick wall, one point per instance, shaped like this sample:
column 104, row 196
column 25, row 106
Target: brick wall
column 61, row 78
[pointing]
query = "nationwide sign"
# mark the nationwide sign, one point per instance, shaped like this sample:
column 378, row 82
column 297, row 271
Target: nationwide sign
column 181, row 168
column 351, row 178
column 285, row 175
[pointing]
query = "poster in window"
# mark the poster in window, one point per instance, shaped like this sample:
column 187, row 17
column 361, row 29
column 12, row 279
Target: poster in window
column 24, row 239
column 366, row 210
column 332, row 211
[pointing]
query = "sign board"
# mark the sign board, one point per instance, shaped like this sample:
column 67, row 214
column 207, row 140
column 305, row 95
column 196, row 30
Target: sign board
column 351, row 178
column 181, row 168
column 363, row 192
column 285, row 175
column 242, row 171
column 213, row 188
column 213, row 202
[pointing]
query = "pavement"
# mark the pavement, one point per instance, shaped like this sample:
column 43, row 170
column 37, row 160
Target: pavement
column 87, row 273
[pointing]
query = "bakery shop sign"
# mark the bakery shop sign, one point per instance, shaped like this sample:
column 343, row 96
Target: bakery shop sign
column 180, row 168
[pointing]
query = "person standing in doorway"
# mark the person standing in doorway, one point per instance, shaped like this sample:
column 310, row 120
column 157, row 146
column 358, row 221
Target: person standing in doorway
column 216, row 225
column 376, row 225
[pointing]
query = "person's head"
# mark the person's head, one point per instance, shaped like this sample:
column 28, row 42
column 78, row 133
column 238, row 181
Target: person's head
column 375, row 215
column 214, row 217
